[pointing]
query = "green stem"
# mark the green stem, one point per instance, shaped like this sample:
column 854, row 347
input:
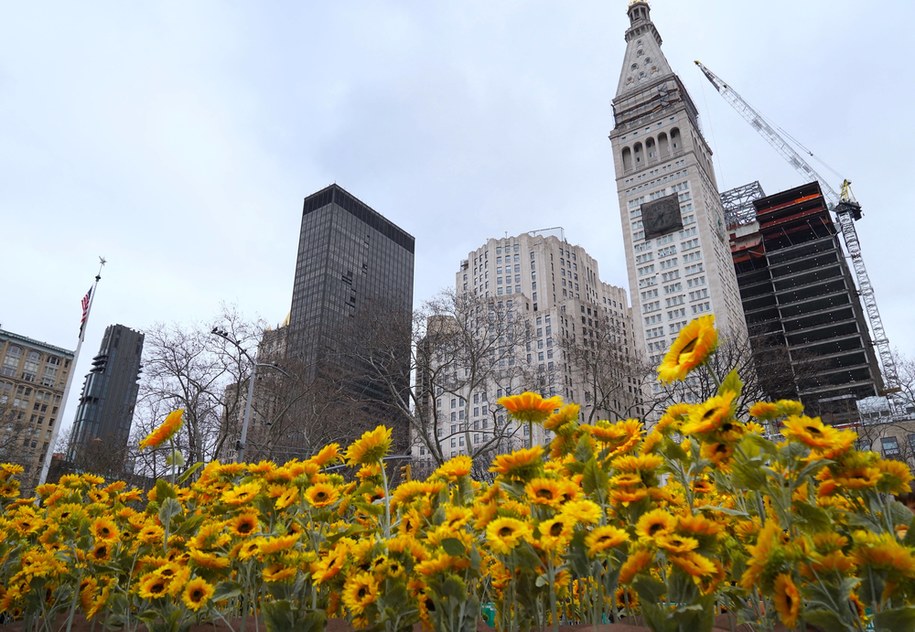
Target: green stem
column 554, row 611
column 387, row 501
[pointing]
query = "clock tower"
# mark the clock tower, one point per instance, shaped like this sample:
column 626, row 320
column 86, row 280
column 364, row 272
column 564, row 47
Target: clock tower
column 677, row 250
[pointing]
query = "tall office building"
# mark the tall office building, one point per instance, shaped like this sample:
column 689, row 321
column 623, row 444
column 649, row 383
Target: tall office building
column 354, row 276
column 101, row 428
column 33, row 376
column 677, row 250
column 807, row 326
column 542, row 320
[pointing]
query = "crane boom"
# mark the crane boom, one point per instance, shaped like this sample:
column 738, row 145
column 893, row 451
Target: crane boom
column 845, row 207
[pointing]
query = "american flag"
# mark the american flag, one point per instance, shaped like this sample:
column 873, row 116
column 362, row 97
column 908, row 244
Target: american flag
column 85, row 304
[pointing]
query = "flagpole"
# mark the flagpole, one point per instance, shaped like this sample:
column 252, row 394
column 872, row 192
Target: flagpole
column 49, row 453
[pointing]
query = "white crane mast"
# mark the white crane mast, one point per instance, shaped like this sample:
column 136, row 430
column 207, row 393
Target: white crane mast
column 845, row 207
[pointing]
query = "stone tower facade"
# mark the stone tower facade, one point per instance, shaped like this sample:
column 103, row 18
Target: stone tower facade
column 677, row 250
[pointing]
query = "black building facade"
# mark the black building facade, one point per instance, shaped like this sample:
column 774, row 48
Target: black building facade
column 101, row 429
column 352, row 302
column 804, row 314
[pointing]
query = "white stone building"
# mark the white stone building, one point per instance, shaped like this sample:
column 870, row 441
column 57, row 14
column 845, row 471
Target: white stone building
column 552, row 290
column 677, row 250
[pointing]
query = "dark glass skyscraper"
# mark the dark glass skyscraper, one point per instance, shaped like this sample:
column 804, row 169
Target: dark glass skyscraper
column 102, row 425
column 352, row 299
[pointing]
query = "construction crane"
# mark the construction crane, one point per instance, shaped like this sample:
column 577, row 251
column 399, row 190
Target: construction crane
column 847, row 211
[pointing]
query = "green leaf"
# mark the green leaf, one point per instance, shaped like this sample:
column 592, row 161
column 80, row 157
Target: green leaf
column 189, row 472
column 728, row 511
column 816, row 517
column 453, row 547
column 278, row 615
column 314, row 621
column 649, row 589
column 673, row 451
column 595, row 477
column 164, row 490
column 747, row 474
column 583, row 451
column 896, row 619
column 731, row 383
column 168, row 510
column 226, row 590
column 910, row 534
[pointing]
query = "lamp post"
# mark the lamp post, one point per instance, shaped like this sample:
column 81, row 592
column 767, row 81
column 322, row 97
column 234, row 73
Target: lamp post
column 240, row 445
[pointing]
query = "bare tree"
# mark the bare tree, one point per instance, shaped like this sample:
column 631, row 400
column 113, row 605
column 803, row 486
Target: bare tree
column 461, row 352
column 617, row 384
column 189, row 368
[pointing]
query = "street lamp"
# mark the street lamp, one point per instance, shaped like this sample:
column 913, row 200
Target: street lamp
column 246, row 419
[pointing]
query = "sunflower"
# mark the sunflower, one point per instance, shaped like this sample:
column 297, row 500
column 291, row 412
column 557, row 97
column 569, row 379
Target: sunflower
column 637, row 463
column 359, row 592
column 638, row 561
column 153, row 586
column 210, row 561
column 565, row 415
column 710, row 415
column 895, row 476
column 286, row 496
column 278, row 572
column 244, row 524
column 882, row 551
column 321, row 495
column 543, row 491
column 327, row 455
column 698, row 525
column 269, row 546
column 555, row 533
column 718, row 452
column 407, row 491
column 767, row 545
column 764, row 410
column 604, row 538
column 693, row 346
column 504, row 534
column 101, row 551
column 530, row 407
column 104, row 529
column 151, row 534
column 586, row 511
column 247, row 550
column 694, row 564
column 241, row 494
column 518, row 464
column 370, row 448
column 166, row 431
column 197, row 592
column 87, row 592
column 673, row 543
column 787, row 600
column 454, row 468
column 655, row 523
column 621, row 435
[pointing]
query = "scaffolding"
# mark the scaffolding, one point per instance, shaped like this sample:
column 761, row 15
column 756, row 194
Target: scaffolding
column 738, row 204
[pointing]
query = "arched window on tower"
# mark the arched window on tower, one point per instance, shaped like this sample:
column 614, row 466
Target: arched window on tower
column 675, row 140
column 663, row 146
column 651, row 150
column 627, row 159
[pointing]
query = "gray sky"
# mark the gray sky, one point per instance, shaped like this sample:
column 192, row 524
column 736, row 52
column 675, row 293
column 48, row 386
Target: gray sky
column 178, row 139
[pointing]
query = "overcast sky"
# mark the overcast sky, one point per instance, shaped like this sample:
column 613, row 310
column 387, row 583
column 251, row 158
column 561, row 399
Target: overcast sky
column 178, row 139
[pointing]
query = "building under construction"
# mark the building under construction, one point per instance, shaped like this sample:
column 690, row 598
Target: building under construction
column 804, row 315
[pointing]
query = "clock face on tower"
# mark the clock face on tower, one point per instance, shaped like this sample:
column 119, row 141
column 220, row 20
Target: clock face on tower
column 661, row 216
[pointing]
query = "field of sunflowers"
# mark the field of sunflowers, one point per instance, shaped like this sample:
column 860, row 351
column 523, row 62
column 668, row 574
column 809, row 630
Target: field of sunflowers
column 666, row 527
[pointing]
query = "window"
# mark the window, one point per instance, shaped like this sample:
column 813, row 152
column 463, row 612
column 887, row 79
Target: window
column 890, row 447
